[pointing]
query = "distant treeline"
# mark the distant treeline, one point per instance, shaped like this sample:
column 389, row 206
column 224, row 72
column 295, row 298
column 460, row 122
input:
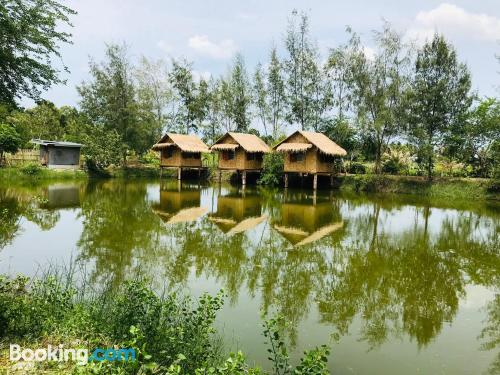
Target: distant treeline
column 386, row 105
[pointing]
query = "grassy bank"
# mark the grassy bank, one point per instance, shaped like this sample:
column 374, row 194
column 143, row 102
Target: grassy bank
column 443, row 188
column 170, row 334
column 30, row 172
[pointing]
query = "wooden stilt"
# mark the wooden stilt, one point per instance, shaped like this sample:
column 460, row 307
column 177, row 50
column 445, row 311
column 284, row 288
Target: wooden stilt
column 161, row 172
column 220, row 176
column 244, row 178
column 315, row 181
column 286, row 180
column 314, row 198
column 179, row 173
column 301, row 179
column 331, row 179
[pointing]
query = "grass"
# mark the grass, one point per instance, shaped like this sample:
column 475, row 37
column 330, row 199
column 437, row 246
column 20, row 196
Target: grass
column 448, row 188
column 170, row 333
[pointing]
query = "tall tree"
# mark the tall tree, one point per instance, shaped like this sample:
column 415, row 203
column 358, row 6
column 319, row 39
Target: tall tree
column 304, row 75
column 241, row 93
column 260, row 97
column 154, row 93
column 30, row 40
column 182, row 81
column 275, row 93
column 108, row 99
column 439, row 99
column 379, row 84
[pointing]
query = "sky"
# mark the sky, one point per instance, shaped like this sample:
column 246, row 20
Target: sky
column 209, row 33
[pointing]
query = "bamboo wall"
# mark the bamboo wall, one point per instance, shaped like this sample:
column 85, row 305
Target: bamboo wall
column 311, row 162
column 177, row 159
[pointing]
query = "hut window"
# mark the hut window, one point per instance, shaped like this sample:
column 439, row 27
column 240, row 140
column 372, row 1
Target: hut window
column 168, row 153
column 324, row 158
column 191, row 155
column 296, row 157
column 228, row 155
column 254, row 156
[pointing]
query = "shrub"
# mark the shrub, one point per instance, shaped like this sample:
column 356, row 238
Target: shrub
column 170, row 334
column 357, row 168
column 397, row 161
column 151, row 158
column 272, row 169
column 10, row 141
column 31, row 169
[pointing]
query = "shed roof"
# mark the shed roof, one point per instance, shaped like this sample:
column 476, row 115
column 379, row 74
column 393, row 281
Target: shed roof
column 249, row 142
column 43, row 142
column 186, row 142
column 321, row 141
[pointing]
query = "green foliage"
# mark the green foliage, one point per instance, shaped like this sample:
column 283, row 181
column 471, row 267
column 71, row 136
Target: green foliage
column 102, row 147
column 272, row 169
column 397, row 161
column 357, row 168
column 314, row 362
column 31, row 169
column 109, row 100
column 378, row 87
column 29, row 30
column 439, row 98
column 170, row 334
column 10, row 141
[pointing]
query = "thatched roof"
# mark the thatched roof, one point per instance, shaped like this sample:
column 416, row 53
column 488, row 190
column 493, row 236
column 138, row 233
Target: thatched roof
column 247, row 224
column 321, row 141
column 293, row 147
column 224, row 146
column 299, row 237
column 249, row 142
column 187, row 143
column 185, row 215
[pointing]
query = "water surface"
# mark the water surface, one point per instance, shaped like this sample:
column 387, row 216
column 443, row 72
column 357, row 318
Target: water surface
column 394, row 284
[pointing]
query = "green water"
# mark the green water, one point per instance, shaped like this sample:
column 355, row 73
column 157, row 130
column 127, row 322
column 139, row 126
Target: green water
column 395, row 284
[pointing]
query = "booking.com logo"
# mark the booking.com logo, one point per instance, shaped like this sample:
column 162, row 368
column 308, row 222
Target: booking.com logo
column 61, row 354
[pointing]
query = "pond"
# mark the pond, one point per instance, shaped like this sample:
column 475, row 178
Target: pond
column 395, row 284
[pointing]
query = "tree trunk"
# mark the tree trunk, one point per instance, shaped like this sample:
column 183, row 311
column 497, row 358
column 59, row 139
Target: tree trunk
column 429, row 168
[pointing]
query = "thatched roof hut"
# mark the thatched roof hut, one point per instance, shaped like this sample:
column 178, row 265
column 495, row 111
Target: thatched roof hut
column 180, row 150
column 309, row 152
column 240, row 151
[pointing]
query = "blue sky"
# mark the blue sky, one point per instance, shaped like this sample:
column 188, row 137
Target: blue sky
column 210, row 32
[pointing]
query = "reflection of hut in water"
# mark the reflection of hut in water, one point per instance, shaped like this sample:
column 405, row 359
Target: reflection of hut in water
column 302, row 224
column 178, row 206
column 62, row 196
column 236, row 214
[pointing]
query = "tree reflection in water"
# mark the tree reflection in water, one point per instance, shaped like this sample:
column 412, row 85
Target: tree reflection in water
column 399, row 265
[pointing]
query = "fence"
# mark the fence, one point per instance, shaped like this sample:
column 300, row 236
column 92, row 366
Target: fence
column 22, row 157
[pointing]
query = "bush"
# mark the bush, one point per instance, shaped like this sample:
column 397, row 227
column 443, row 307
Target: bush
column 357, row 168
column 170, row 334
column 272, row 169
column 31, row 169
column 397, row 161
column 151, row 158
column 10, row 141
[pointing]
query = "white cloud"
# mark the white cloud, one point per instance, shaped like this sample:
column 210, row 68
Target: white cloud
column 225, row 49
column 454, row 21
